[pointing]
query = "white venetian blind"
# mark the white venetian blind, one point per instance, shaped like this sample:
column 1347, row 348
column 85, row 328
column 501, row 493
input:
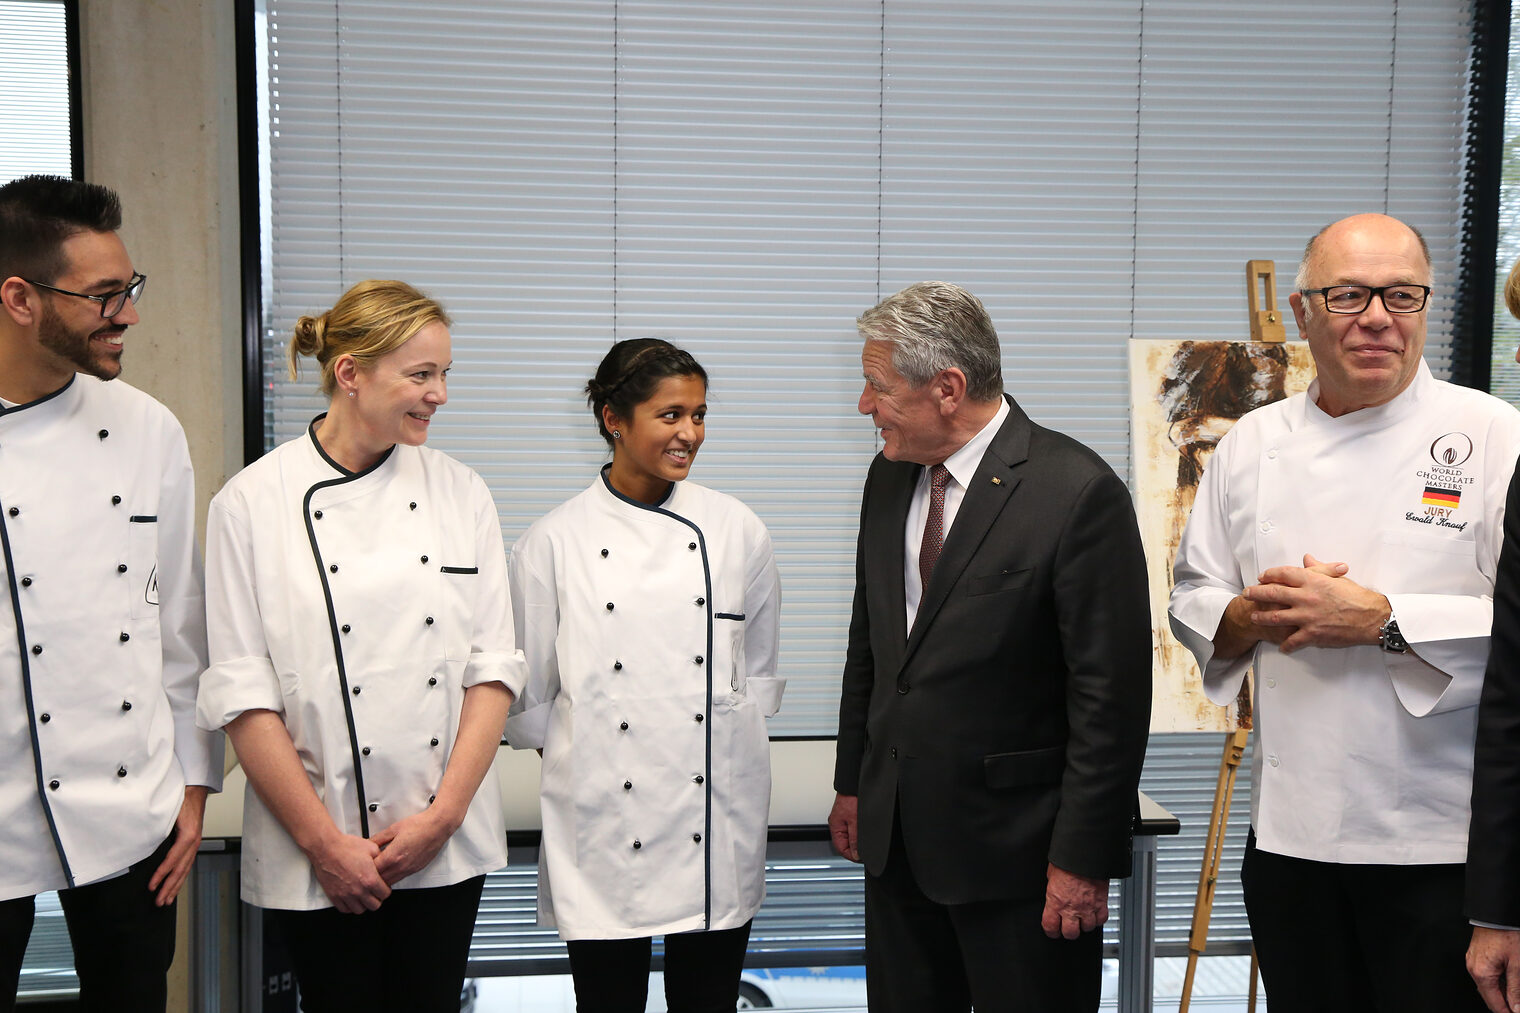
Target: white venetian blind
column 34, row 90
column 745, row 177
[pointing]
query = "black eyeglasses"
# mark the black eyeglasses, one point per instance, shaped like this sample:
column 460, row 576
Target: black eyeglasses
column 111, row 303
column 1351, row 299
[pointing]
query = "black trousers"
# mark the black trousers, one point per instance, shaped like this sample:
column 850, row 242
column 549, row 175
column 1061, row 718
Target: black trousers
column 1380, row 938
column 409, row 956
column 701, row 972
column 123, row 942
column 927, row 957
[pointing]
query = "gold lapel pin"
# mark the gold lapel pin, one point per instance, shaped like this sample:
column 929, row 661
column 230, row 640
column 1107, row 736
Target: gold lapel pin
column 996, row 480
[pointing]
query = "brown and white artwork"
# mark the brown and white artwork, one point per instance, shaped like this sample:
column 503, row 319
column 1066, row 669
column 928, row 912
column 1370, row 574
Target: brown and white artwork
column 1184, row 396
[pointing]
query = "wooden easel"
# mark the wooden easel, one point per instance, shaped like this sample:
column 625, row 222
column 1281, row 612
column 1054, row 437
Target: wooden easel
column 1261, row 298
column 1266, row 324
column 1213, row 850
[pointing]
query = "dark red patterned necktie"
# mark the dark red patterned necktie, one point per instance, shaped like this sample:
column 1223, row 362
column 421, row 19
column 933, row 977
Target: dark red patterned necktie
column 934, row 527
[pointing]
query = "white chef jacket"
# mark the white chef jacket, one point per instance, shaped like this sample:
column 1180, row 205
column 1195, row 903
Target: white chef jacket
column 102, row 637
column 359, row 607
column 1361, row 756
column 651, row 639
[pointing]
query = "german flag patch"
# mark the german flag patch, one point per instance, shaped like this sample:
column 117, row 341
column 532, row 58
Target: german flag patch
column 1441, row 497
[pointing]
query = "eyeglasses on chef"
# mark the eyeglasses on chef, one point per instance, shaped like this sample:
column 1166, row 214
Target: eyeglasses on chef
column 1351, row 299
column 111, row 303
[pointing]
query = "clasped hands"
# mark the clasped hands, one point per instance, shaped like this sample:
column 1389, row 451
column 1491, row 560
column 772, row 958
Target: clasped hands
column 1314, row 605
column 357, row 873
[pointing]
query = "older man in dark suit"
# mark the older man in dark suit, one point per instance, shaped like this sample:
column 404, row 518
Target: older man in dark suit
column 997, row 687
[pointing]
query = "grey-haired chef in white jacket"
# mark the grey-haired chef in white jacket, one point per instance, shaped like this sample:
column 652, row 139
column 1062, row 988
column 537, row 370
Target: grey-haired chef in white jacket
column 647, row 608
column 363, row 660
column 103, row 774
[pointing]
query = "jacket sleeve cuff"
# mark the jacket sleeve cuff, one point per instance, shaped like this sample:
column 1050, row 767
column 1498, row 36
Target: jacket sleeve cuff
column 1449, row 639
column 229, row 688
column 766, row 692
column 527, row 729
column 200, row 754
column 1194, row 618
column 505, row 667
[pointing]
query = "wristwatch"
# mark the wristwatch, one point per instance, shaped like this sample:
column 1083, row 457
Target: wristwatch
column 1389, row 637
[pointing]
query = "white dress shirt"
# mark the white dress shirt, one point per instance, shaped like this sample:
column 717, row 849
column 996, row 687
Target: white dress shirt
column 962, row 466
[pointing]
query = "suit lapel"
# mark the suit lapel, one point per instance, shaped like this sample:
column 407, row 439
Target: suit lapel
column 897, row 497
column 991, row 487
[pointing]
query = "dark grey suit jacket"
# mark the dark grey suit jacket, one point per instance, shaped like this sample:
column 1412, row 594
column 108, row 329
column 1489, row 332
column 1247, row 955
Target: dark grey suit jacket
column 1493, row 842
column 1010, row 723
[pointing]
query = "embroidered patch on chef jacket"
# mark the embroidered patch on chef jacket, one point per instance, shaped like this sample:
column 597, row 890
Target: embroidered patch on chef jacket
column 1441, row 497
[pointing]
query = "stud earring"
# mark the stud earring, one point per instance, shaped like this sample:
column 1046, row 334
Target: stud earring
column 617, row 434
column 350, row 393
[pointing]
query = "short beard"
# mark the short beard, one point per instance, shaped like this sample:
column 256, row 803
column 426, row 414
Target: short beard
column 55, row 335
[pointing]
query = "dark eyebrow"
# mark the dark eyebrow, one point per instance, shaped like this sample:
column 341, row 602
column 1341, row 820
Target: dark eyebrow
column 107, row 285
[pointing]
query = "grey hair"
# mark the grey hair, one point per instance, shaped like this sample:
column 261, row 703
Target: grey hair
column 1301, row 279
column 933, row 326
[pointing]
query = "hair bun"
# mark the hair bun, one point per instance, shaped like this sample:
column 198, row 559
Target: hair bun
column 310, row 334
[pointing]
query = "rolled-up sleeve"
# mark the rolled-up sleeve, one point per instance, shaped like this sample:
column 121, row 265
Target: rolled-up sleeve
column 535, row 614
column 762, row 638
column 494, row 654
column 182, row 620
column 241, row 676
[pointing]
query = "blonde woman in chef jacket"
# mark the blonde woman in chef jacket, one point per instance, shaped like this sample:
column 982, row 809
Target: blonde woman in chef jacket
column 363, row 662
column 647, row 609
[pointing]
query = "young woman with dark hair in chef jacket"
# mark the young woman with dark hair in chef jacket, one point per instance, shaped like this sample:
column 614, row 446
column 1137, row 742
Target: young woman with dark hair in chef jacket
column 363, row 662
column 647, row 609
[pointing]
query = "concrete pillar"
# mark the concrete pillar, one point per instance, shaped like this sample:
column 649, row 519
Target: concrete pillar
column 159, row 104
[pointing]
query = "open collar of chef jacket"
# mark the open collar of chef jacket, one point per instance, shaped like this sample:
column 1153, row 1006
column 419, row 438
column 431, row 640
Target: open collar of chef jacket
column 58, row 403
column 1377, row 417
column 664, row 506
column 343, row 484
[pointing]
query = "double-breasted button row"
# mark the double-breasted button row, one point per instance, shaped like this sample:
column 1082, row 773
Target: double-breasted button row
column 698, row 717
column 46, row 717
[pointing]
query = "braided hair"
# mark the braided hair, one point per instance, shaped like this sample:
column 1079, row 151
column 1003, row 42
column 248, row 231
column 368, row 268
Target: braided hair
column 629, row 374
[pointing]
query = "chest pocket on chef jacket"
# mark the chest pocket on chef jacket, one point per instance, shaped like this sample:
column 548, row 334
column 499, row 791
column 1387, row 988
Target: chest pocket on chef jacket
column 460, row 588
column 142, row 567
column 1413, row 562
column 728, row 629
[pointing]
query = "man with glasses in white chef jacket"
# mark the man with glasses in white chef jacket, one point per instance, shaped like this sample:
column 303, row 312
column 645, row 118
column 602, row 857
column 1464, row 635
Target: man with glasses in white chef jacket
column 103, row 774
column 1344, row 544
